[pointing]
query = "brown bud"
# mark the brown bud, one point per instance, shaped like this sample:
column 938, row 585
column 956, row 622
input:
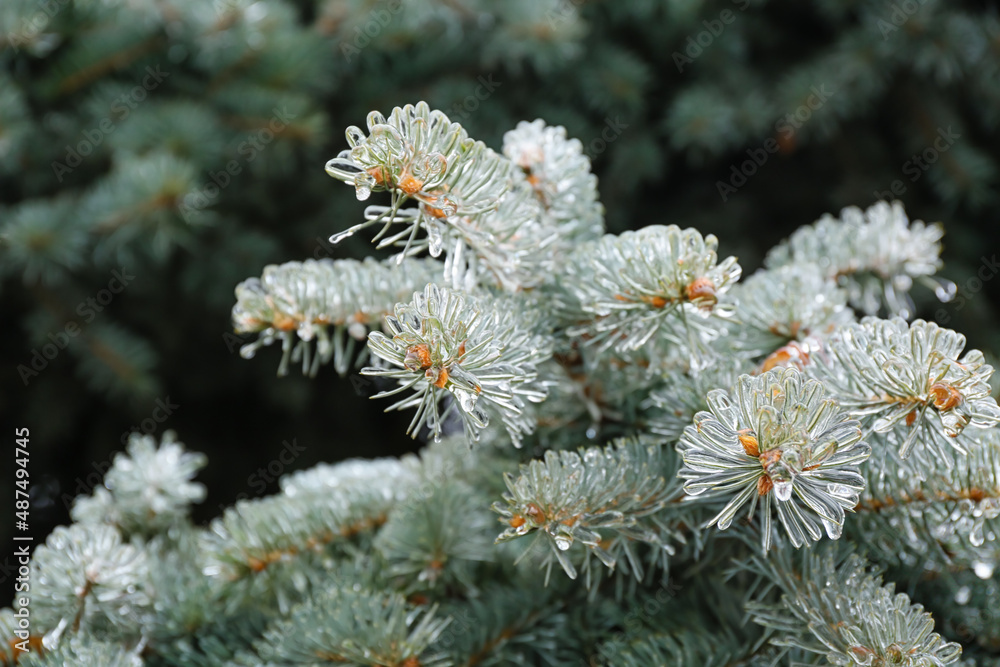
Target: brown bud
column 535, row 512
column 764, row 485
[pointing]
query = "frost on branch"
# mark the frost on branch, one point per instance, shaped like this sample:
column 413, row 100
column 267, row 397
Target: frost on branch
column 906, row 380
column 657, row 280
column 559, row 174
column 332, row 302
column 419, row 154
column 148, row 489
column 876, row 255
column 603, row 498
column 779, row 436
column 844, row 613
column 484, row 356
column 92, row 581
column 789, row 303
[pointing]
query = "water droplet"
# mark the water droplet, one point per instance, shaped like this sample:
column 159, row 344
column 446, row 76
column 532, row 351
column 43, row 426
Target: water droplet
column 591, row 433
column 340, row 236
column 983, row 570
column 963, row 594
column 435, row 239
column 976, row 536
column 363, row 183
column 466, row 398
column 248, row 351
column 564, row 542
column 357, row 330
column 945, row 290
column 783, row 489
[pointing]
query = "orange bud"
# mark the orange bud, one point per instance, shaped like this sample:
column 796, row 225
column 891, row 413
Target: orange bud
column 750, row 445
column 946, row 396
column 701, row 288
column 535, row 512
column 408, row 184
column 418, row 357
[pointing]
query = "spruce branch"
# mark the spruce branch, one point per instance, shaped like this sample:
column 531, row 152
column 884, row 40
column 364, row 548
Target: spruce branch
column 785, row 304
column 80, row 651
column 674, row 403
column 949, row 519
column 481, row 354
column 317, row 509
column 876, row 255
column 355, row 626
column 603, row 498
column 332, row 302
column 838, row 609
column 147, row 489
column 505, row 625
column 641, row 283
column 420, row 154
column 434, row 542
column 93, row 580
column 779, row 435
column 559, row 173
column 907, row 381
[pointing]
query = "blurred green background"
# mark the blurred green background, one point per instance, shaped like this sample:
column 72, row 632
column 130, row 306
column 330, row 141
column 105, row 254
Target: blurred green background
column 181, row 144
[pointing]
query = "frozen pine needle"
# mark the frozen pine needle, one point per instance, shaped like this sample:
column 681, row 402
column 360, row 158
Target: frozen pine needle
column 444, row 343
column 781, row 443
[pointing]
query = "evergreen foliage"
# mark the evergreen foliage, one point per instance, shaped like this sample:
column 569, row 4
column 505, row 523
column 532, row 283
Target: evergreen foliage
column 875, row 442
column 615, row 403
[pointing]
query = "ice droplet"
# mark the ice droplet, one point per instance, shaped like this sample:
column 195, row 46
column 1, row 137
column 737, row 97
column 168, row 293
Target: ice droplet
column 340, row 236
column 435, row 240
column 962, row 595
column 983, row 570
column 466, row 398
column 945, row 290
column 783, row 489
column 564, row 542
column 357, row 330
column 363, row 183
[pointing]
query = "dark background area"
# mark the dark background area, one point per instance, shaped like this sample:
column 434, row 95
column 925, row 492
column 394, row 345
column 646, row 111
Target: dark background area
column 584, row 65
